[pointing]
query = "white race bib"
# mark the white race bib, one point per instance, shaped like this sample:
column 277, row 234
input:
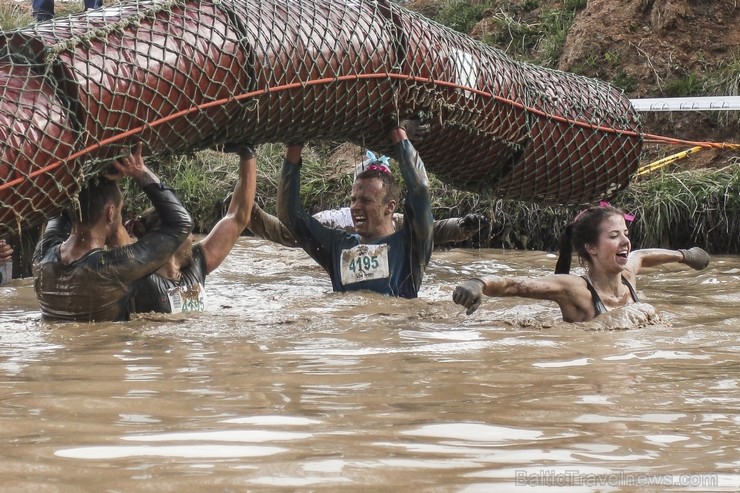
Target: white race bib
column 187, row 298
column 364, row 263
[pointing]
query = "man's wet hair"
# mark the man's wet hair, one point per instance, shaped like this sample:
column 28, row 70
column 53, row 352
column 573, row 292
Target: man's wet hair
column 390, row 184
column 93, row 198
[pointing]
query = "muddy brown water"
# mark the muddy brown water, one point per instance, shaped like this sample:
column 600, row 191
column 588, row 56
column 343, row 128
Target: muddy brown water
column 286, row 386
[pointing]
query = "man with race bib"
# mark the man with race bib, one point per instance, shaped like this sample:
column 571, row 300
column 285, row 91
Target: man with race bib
column 84, row 267
column 376, row 257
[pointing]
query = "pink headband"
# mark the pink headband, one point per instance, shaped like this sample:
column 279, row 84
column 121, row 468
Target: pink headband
column 379, row 167
column 627, row 217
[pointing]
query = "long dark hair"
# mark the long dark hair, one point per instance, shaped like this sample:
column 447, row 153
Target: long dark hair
column 147, row 222
column 584, row 230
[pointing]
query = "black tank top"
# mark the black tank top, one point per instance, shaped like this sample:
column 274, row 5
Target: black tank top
column 152, row 294
column 598, row 304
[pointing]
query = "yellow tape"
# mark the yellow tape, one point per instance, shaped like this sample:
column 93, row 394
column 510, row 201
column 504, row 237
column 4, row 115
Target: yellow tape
column 667, row 160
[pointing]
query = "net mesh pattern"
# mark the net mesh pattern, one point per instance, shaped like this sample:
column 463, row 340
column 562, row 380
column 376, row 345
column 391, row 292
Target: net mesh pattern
column 182, row 76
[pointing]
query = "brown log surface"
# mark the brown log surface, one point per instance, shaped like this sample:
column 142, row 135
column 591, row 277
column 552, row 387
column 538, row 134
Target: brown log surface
column 183, row 76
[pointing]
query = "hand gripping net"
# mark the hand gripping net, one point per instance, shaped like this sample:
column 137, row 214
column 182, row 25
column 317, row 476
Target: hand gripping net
column 182, row 76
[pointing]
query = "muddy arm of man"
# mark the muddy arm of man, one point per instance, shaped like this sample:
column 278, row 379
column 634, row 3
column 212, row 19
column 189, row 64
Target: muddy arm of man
column 154, row 248
column 458, row 229
column 316, row 239
column 418, row 203
column 269, row 227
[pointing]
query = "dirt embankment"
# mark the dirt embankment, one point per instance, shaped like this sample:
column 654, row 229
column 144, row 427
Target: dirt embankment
column 649, row 48
column 666, row 47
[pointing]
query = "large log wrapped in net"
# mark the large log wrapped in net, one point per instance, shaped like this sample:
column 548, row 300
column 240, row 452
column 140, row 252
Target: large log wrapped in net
column 182, row 76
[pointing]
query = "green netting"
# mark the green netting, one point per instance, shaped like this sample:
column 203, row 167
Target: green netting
column 182, row 76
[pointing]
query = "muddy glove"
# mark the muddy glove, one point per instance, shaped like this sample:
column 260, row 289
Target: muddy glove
column 245, row 151
column 695, row 257
column 472, row 223
column 469, row 294
column 415, row 130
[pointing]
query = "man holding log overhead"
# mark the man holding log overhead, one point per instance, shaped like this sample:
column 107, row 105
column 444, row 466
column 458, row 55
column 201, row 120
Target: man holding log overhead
column 376, row 257
column 77, row 277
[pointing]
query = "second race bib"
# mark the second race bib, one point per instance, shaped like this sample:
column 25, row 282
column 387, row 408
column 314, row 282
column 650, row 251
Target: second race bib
column 187, row 298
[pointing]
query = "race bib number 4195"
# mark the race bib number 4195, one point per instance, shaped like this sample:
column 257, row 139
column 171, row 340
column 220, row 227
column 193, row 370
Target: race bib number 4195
column 364, row 263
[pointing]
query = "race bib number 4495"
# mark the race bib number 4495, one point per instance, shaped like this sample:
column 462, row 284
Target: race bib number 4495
column 364, row 263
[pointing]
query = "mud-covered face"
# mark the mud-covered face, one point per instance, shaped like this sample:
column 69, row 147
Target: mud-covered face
column 371, row 213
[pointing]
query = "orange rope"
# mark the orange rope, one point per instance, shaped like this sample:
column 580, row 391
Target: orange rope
column 315, row 82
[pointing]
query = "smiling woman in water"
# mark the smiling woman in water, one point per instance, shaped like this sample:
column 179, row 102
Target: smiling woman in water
column 600, row 237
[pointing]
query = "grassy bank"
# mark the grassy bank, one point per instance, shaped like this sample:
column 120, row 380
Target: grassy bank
column 675, row 210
